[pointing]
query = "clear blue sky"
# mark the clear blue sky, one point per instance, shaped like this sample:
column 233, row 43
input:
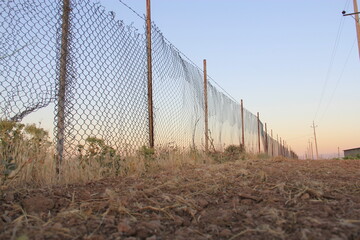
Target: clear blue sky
column 280, row 56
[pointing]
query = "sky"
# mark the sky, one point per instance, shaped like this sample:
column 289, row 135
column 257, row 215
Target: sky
column 294, row 61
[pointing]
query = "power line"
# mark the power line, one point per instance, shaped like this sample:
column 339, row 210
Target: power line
column 334, row 51
column 347, row 4
column 338, row 81
column 303, row 136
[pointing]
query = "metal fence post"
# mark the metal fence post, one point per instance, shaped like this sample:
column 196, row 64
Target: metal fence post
column 64, row 52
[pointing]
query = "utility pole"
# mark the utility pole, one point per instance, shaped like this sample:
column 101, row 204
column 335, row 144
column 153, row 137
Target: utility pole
column 357, row 23
column 308, row 150
column 311, row 153
column 149, row 75
column 316, row 146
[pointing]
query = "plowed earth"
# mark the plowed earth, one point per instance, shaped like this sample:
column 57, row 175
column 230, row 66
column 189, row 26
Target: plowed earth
column 257, row 199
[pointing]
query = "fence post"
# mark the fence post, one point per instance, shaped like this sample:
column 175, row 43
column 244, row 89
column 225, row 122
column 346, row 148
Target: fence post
column 272, row 143
column 149, row 74
column 242, row 125
column 277, row 141
column 60, row 126
column 266, row 140
column 206, row 110
column 258, row 120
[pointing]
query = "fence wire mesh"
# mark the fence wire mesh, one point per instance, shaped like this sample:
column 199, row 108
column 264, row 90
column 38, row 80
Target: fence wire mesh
column 106, row 82
column 107, row 96
column 28, row 49
column 178, row 97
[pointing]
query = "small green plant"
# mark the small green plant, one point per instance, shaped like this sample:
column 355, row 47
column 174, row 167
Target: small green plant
column 147, row 153
column 95, row 149
column 231, row 153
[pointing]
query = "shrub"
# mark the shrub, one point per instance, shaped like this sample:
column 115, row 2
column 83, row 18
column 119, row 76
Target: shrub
column 95, row 149
column 234, row 150
column 20, row 145
column 147, row 153
column 231, row 153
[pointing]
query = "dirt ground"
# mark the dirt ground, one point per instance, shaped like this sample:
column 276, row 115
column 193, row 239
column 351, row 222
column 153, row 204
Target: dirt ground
column 250, row 199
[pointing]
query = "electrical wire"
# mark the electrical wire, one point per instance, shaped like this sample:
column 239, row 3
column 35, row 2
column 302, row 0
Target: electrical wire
column 332, row 58
column 338, row 81
column 303, row 136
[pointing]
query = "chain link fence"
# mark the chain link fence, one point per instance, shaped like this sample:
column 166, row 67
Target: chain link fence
column 28, row 56
column 105, row 87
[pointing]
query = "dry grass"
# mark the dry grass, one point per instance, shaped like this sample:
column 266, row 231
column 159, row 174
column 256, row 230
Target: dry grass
column 42, row 173
column 136, row 165
column 39, row 170
column 28, row 159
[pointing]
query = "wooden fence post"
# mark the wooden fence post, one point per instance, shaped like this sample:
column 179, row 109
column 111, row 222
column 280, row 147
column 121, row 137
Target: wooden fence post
column 258, row 123
column 64, row 52
column 206, row 110
column 266, row 140
column 242, row 125
column 149, row 74
column 272, row 143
